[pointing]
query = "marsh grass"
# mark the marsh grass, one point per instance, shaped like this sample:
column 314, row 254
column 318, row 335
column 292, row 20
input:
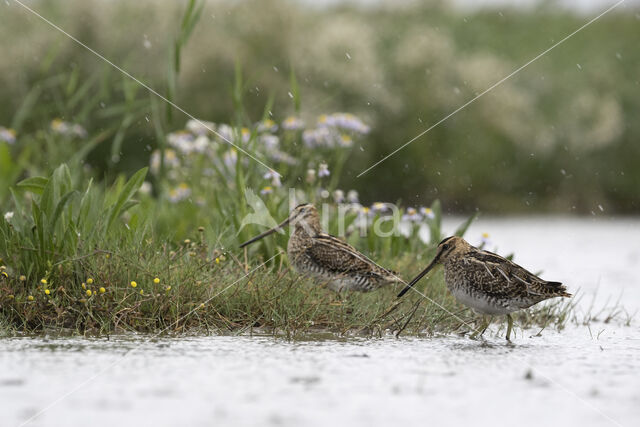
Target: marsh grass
column 195, row 293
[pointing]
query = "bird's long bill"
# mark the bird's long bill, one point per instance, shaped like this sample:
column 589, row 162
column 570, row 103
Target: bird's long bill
column 421, row 275
column 266, row 233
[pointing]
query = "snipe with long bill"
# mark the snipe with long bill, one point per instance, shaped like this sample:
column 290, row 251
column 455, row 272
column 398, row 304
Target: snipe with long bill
column 488, row 283
column 327, row 258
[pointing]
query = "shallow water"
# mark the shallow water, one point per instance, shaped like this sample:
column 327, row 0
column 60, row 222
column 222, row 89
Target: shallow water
column 580, row 376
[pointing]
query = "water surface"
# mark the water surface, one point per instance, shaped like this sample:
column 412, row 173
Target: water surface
column 583, row 376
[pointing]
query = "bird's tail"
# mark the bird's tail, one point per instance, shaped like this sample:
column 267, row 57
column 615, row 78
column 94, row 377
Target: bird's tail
column 558, row 289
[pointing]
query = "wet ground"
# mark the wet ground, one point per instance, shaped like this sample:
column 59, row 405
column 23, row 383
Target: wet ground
column 586, row 376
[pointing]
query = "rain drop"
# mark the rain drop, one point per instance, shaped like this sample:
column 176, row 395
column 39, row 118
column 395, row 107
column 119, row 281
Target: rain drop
column 348, row 56
column 290, row 95
column 579, row 66
column 601, row 208
column 275, row 69
column 146, row 118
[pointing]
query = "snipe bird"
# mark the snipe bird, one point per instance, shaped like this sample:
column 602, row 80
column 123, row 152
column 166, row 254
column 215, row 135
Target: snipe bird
column 327, row 258
column 488, row 283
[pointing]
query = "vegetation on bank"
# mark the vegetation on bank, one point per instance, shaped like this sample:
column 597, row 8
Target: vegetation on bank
column 88, row 248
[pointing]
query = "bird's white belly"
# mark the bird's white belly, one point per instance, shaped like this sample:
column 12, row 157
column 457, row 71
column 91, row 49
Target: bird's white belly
column 479, row 304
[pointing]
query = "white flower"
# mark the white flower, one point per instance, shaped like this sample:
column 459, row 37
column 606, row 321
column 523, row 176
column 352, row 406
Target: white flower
column 68, row 129
column 145, row 188
column 8, row 216
column 324, row 193
column 7, row 135
column 230, row 158
column 338, row 196
column 311, row 176
column 323, row 170
column 484, row 240
column 266, row 190
column 411, row 215
column 200, row 144
column 345, row 141
column 225, row 132
column 271, row 142
column 274, row 177
column 320, row 137
column 179, row 193
column 379, row 207
column 281, row 156
column 267, row 125
column 352, row 196
column 292, row 123
column 427, row 212
column 344, row 121
column 200, row 127
column 170, row 160
column 181, row 141
column 245, row 134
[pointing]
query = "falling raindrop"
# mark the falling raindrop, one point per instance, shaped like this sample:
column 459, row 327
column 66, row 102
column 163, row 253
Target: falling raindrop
column 102, row 105
column 348, row 56
column 115, row 158
column 146, row 118
column 290, row 95
column 275, row 69
column 579, row 66
column 601, row 208
column 148, row 147
column 618, row 55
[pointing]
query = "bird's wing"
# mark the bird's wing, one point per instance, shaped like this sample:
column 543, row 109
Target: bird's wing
column 340, row 257
column 495, row 271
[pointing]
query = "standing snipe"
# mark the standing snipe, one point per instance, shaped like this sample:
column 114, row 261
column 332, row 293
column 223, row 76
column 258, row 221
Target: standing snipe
column 326, row 257
column 488, row 283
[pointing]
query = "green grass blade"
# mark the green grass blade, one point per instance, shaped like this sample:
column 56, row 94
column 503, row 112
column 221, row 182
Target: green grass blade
column 125, row 195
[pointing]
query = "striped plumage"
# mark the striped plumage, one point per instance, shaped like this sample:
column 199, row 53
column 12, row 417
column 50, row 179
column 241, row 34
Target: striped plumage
column 327, row 258
column 489, row 283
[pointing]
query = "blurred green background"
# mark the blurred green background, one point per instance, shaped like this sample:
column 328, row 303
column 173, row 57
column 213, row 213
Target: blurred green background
column 560, row 136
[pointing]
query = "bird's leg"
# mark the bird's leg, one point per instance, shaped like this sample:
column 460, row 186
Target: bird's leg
column 486, row 324
column 509, row 326
column 479, row 331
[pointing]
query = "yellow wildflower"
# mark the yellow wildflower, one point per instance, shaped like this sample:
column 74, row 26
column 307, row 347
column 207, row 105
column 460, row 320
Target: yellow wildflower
column 47, row 291
column 133, row 284
column 156, row 280
column 168, row 288
column 102, row 290
column 89, row 292
column 43, row 281
column 23, row 278
column 84, row 286
column 30, row 297
column 141, row 291
column 217, row 260
column 89, row 280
